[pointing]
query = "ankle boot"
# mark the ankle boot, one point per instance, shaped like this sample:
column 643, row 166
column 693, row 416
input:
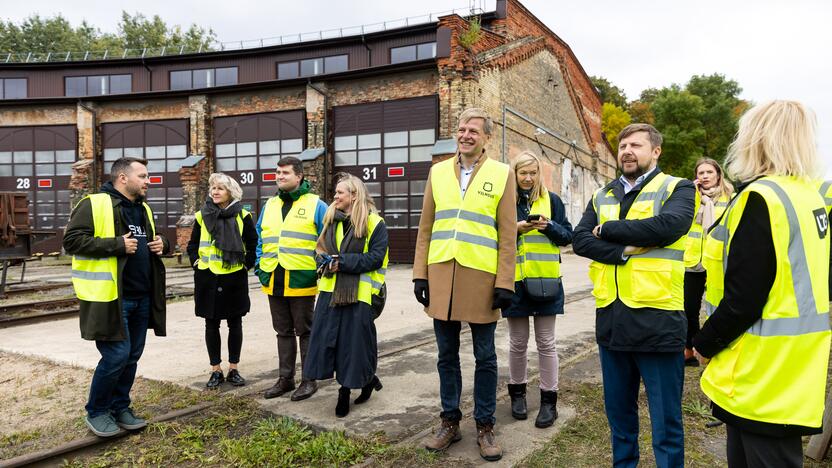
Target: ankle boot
column 517, row 392
column 548, row 409
column 343, row 407
column 367, row 390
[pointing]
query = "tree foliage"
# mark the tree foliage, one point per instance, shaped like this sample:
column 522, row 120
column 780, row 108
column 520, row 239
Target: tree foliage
column 609, row 92
column 613, row 120
column 56, row 34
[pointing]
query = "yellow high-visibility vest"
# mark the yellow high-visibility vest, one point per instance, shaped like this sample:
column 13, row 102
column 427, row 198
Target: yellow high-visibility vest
column 696, row 237
column 775, row 372
column 653, row 279
column 289, row 242
column 96, row 279
column 465, row 229
column 370, row 283
column 537, row 256
column 209, row 254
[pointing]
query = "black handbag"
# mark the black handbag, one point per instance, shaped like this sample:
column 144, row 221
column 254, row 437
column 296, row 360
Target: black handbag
column 378, row 301
column 541, row 289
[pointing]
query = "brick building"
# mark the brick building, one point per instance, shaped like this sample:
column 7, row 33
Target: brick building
column 380, row 105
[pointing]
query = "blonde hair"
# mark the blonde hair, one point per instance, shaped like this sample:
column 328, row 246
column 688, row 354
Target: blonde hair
column 774, row 138
column 222, row 180
column 725, row 187
column 477, row 113
column 527, row 158
column 361, row 208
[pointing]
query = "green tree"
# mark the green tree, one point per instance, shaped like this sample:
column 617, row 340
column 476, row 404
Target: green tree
column 723, row 107
column 137, row 31
column 613, row 120
column 679, row 116
column 609, row 92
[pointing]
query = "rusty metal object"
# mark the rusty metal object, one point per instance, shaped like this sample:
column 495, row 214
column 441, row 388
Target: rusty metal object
column 16, row 235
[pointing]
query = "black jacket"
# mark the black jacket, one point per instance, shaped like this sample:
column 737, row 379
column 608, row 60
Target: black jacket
column 559, row 232
column 617, row 326
column 749, row 278
column 102, row 320
column 223, row 296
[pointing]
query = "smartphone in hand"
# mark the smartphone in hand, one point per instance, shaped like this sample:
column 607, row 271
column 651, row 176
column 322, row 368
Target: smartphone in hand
column 532, row 218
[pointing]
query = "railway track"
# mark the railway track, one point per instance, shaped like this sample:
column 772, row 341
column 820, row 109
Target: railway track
column 29, row 289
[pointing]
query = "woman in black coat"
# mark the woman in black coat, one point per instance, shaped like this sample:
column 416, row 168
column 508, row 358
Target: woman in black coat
column 221, row 250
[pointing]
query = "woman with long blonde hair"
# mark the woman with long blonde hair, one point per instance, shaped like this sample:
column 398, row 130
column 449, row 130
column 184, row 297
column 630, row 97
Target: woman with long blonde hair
column 352, row 259
column 767, row 342
column 542, row 228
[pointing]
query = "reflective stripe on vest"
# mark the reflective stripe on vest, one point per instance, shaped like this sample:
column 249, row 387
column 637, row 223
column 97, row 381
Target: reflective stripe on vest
column 695, row 241
column 652, row 279
column 776, row 371
column 537, row 256
column 370, row 283
column 96, row 279
column 465, row 229
column 291, row 241
column 209, row 254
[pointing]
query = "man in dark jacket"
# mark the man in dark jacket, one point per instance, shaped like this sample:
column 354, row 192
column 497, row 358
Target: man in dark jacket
column 113, row 232
column 634, row 229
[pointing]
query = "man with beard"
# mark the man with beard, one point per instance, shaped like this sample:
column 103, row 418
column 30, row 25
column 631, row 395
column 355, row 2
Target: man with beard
column 120, row 282
column 634, row 230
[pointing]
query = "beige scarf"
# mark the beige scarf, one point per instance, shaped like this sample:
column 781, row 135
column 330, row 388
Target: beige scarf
column 705, row 215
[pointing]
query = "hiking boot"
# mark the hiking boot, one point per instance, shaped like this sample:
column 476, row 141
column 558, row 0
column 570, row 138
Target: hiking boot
column 306, row 389
column 235, row 379
column 102, row 425
column 447, row 434
column 283, row 385
column 548, row 409
column 517, row 392
column 127, row 420
column 215, row 380
column 489, row 449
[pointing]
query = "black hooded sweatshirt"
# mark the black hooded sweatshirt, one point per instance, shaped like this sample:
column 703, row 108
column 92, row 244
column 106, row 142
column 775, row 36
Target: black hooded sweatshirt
column 136, row 275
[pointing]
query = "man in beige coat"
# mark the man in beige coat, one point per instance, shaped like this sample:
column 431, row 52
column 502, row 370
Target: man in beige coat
column 464, row 272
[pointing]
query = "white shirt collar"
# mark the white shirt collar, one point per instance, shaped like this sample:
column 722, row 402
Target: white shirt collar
column 639, row 180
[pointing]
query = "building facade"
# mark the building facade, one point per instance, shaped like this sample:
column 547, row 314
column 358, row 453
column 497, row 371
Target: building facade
column 382, row 106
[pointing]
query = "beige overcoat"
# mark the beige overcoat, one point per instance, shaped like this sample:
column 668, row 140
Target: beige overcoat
column 461, row 293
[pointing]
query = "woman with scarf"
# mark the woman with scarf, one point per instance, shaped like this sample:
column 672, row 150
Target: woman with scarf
column 352, row 259
column 713, row 193
column 542, row 227
column 221, row 250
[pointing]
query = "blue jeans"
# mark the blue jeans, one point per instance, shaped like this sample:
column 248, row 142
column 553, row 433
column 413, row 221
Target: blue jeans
column 663, row 375
column 116, row 371
column 450, row 375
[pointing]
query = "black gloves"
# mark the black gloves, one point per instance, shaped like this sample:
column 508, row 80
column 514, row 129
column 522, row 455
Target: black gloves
column 502, row 298
column 420, row 290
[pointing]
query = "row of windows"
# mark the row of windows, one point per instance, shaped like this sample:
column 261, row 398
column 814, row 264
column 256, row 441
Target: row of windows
column 13, row 88
column 36, row 163
column 203, row 78
column 98, row 85
column 413, row 52
column 398, row 148
column 255, row 155
column 312, row 67
column 159, row 158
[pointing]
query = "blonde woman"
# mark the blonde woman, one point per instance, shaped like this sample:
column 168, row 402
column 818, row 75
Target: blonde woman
column 542, row 228
column 713, row 193
column 767, row 343
column 221, row 250
column 352, row 258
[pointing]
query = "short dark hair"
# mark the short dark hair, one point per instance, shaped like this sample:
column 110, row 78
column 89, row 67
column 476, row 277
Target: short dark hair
column 652, row 134
column 297, row 164
column 122, row 166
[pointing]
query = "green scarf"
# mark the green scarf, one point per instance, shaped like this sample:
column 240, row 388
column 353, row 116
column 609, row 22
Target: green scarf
column 302, row 190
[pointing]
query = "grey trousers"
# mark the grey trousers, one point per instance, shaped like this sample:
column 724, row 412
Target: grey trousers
column 749, row 450
column 292, row 321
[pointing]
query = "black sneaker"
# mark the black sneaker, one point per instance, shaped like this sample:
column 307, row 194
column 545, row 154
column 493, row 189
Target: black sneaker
column 216, row 379
column 235, row 379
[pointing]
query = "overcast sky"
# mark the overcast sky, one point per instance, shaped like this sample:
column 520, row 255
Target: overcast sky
column 774, row 49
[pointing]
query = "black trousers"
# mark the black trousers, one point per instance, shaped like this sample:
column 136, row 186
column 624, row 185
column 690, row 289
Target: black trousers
column 694, row 288
column 292, row 321
column 749, row 450
column 214, row 343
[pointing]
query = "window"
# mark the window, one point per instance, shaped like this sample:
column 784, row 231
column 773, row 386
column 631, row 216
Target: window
column 13, row 88
column 413, row 52
column 312, row 67
column 99, row 85
column 203, row 78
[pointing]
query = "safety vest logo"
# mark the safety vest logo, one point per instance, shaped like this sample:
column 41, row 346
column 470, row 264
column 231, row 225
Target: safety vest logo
column 487, row 187
column 821, row 222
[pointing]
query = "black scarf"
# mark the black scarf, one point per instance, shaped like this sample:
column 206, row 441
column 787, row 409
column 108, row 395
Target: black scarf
column 346, row 284
column 221, row 223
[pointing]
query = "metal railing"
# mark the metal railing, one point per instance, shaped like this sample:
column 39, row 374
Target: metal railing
column 107, row 54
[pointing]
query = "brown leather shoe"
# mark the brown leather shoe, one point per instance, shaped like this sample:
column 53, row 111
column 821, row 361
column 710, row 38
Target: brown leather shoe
column 306, row 389
column 283, row 385
column 489, row 448
column 447, row 434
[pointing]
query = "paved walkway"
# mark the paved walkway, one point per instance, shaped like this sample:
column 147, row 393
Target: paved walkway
column 405, row 408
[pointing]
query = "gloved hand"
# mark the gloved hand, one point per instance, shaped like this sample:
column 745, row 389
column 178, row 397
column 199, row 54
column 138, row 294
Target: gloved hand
column 264, row 276
column 502, row 298
column 420, row 290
